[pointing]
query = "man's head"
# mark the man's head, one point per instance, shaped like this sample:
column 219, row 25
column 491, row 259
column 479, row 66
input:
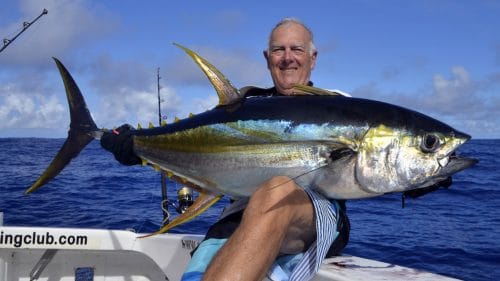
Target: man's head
column 291, row 55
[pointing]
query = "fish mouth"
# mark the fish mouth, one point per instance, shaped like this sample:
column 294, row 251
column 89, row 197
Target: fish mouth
column 456, row 164
column 453, row 163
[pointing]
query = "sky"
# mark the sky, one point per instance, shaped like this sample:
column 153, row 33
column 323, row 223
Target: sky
column 441, row 58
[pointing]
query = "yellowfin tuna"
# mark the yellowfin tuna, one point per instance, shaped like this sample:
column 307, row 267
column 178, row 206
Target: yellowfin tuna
column 345, row 148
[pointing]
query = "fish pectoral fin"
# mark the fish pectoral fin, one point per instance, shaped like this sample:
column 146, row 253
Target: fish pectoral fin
column 341, row 153
column 310, row 90
column 204, row 201
column 227, row 93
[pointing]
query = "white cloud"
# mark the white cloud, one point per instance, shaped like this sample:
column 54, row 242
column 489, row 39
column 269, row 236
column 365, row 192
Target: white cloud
column 126, row 92
column 135, row 107
column 202, row 105
column 451, row 93
column 142, row 107
column 455, row 95
column 116, row 92
column 20, row 110
column 456, row 99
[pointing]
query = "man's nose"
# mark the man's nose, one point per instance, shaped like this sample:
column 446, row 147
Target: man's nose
column 288, row 55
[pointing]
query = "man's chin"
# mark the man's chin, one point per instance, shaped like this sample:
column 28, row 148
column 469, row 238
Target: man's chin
column 287, row 92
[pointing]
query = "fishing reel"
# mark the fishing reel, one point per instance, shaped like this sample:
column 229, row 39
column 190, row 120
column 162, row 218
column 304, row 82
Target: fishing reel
column 184, row 200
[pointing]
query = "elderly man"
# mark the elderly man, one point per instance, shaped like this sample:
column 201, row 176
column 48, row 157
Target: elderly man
column 279, row 220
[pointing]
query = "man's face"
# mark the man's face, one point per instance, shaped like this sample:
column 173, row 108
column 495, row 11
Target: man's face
column 289, row 57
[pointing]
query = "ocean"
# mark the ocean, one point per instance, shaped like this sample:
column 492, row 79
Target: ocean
column 454, row 232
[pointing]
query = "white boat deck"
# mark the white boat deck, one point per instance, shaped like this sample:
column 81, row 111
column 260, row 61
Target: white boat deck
column 64, row 254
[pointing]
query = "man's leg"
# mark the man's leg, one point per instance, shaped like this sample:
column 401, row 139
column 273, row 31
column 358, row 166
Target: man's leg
column 278, row 219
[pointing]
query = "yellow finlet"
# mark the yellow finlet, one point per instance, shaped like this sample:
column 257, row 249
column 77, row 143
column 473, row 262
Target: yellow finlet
column 227, row 93
column 163, row 123
column 191, row 115
column 176, row 119
column 150, row 125
column 170, row 174
column 204, row 201
column 144, row 162
column 156, row 168
column 139, row 127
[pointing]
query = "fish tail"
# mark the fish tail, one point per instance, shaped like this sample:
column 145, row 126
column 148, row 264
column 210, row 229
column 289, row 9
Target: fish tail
column 82, row 130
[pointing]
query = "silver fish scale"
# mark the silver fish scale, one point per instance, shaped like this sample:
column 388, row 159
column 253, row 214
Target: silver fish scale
column 271, row 148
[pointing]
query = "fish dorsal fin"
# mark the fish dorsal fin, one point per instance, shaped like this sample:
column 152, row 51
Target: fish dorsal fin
column 310, row 90
column 227, row 93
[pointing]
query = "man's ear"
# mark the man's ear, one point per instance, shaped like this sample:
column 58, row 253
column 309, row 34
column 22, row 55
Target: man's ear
column 266, row 56
column 314, row 56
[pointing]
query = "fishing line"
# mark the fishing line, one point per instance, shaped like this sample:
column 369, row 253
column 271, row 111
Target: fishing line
column 296, row 177
column 164, row 208
column 334, row 155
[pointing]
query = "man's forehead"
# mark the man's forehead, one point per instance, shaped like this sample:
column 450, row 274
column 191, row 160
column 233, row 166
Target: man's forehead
column 289, row 41
column 289, row 35
column 287, row 44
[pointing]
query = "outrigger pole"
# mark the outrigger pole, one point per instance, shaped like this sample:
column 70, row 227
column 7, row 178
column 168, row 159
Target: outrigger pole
column 26, row 25
column 163, row 179
column 185, row 194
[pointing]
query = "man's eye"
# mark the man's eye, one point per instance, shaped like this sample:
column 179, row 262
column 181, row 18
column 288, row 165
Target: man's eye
column 277, row 50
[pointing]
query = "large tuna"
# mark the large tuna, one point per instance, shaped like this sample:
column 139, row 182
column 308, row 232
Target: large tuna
column 345, row 148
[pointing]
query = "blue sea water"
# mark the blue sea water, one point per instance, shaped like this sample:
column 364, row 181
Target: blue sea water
column 454, row 232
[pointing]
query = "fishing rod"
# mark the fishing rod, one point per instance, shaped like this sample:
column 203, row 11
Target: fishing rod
column 163, row 179
column 185, row 194
column 26, row 25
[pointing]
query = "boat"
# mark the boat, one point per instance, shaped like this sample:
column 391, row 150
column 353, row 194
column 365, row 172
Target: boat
column 84, row 254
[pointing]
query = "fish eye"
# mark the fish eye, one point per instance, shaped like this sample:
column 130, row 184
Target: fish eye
column 430, row 143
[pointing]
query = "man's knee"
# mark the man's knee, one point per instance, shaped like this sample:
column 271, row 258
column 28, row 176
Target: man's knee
column 279, row 194
column 275, row 190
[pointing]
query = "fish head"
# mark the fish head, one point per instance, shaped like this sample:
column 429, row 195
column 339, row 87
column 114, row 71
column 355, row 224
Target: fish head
column 396, row 159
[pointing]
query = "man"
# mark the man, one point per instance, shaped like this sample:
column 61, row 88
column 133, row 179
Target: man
column 279, row 220
column 280, row 217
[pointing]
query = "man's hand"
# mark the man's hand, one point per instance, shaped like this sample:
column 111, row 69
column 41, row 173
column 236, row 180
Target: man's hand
column 119, row 142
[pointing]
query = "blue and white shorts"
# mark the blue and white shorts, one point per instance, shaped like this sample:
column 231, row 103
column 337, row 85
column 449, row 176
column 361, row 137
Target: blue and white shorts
column 296, row 267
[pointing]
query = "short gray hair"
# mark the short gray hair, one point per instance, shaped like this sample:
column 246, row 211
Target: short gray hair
column 287, row 21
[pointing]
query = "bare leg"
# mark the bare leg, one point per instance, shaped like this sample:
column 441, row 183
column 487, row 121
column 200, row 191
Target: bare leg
column 278, row 219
